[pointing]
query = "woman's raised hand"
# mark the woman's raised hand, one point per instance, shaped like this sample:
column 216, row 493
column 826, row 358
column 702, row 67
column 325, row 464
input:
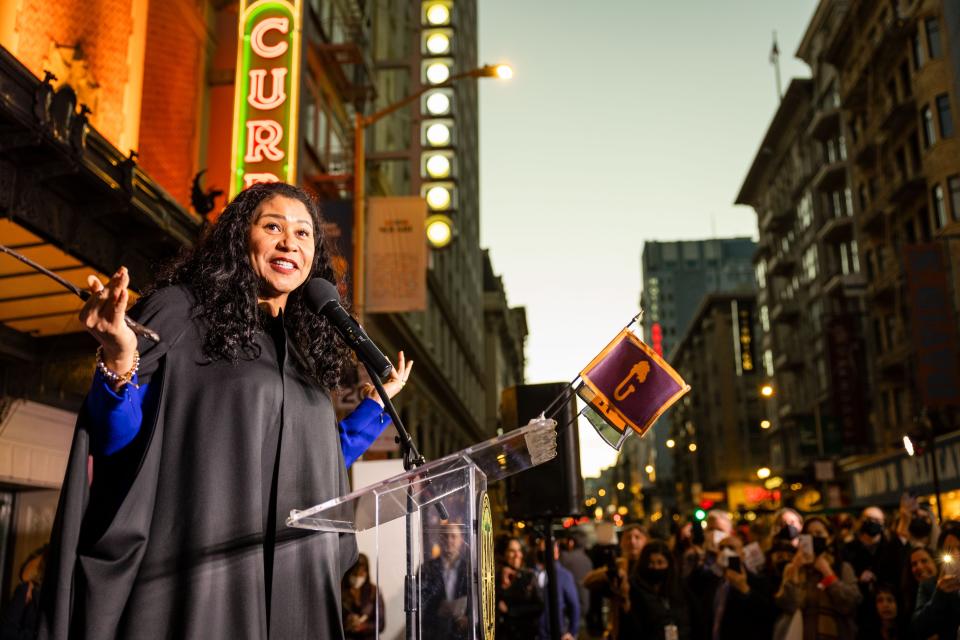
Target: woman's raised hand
column 103, row 316
column 396, row 381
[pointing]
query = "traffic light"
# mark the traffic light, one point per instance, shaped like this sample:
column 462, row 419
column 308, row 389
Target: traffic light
column 700, row 515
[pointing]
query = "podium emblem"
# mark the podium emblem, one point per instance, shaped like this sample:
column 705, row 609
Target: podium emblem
column 488, row 578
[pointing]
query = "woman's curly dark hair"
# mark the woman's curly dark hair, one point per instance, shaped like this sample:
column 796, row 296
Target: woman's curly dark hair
column 219, row 273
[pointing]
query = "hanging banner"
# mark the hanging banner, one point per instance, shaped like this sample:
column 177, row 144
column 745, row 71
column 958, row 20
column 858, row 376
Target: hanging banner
column 267, row 87
column 338, row 231
column 844, row 358
column 396, row 277
column 934, row 329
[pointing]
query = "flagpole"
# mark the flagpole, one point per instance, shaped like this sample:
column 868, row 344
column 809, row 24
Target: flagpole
column 560, row 399
column 775, row 61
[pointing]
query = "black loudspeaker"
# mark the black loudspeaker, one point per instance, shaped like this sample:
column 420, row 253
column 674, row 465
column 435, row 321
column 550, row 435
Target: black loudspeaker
column 553, row 489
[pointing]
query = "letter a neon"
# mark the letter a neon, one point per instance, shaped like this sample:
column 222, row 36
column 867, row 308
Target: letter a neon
column 263, row 136
column 277, row 94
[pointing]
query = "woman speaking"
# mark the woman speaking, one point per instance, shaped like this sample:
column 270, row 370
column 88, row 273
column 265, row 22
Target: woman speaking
column 189, row 453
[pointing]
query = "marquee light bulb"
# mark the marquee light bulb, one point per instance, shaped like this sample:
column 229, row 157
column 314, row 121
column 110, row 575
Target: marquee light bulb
column 438, row 166
column 438, row 44
column 438, row 14
column 439, row 230
column 438, row 134
column 438, row 198
column 438, row 104
column 438, row 73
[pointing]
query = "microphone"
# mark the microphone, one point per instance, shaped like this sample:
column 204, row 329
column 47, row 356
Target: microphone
column 322, row 297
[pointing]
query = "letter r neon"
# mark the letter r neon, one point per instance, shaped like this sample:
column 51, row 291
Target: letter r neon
column 263, row 136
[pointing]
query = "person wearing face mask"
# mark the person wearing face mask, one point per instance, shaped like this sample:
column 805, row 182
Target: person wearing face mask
column 787, row 524
column 916, row 525
column 819, row 593
column 778, row 557
column 874, row 559
column 656, row 605
column 362, row 604
column 612, row 581
column 741, row 606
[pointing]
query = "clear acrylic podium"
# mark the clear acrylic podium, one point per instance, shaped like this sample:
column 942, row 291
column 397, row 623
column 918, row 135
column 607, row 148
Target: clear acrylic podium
column 432, row 534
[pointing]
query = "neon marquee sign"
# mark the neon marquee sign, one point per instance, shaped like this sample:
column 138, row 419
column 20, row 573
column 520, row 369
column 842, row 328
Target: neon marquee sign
column 265, row 106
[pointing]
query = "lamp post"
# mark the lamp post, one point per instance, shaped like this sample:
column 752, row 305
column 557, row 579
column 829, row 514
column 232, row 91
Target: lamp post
column 360, row 124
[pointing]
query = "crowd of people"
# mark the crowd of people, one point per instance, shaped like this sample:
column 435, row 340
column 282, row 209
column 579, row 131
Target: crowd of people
column 786, row 577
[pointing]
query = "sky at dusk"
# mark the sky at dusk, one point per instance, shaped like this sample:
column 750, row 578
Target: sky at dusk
column 626, row 121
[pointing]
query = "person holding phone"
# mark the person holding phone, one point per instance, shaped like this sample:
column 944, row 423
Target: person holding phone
column 657, row 606
column 875, row 559
column 741, row 605
column 938, row 597
column 817, row 588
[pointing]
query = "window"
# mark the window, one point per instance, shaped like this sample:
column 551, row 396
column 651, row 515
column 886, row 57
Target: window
column 810, row 263
column 933, row 38
column 953, row 185
column 917, row 52
column 929, row 134
column 765, row 319
column 946, row 119
column 805, row 210
column 939, row 207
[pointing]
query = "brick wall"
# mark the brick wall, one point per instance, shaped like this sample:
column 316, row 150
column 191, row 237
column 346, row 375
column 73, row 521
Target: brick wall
column 170, row 111
column 85, row 42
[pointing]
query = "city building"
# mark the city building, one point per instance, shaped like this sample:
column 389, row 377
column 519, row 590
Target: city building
column 123, row 152
column 716, row 432
column 505, row 333
column 856, row 186
column 676, row 276
column 898, row 65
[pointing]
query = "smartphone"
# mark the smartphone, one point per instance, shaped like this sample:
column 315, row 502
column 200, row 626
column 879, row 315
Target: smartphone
column 819, row 545
column 696, row 533
column 733, row 563
column 805, row 545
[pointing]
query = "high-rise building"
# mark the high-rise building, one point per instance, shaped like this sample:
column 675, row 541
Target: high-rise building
column 897, row 65
column 853, row 186
column 676, row 276
column 717, row 430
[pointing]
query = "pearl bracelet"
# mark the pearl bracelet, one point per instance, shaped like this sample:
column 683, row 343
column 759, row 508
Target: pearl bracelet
column 117, row 379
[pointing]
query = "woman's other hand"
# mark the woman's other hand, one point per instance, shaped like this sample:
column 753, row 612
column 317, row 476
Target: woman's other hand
column 103, row 316
column 398, row 378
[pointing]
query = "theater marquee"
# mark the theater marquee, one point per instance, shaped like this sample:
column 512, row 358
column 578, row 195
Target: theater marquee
column 267, row 93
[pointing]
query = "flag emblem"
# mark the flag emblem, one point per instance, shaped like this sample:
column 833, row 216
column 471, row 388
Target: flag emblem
column 629, row 385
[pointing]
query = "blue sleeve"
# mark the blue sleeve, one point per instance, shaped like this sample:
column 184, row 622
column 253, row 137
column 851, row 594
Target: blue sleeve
column 573, row 602
column 359, row 429
column 115, row 417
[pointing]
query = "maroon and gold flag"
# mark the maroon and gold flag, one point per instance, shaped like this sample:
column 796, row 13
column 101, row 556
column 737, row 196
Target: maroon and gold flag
column 629, row 385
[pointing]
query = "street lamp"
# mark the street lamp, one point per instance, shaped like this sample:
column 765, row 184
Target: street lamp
column 439, row 78
column 908, row 446
column 763, row 473
column 764, row 424
column 767, row 390
column 671, row 443
column 692, row 447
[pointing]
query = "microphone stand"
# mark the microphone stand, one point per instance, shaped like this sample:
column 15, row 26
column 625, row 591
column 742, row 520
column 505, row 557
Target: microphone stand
column 412, row 458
